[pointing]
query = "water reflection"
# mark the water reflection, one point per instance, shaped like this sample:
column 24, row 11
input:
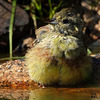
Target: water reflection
column 51, row 94
column 61, row 94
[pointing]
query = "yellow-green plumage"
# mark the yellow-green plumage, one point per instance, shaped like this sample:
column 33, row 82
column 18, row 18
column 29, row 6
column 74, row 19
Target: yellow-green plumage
column 69, row 46
column 48, row 67
column 58, row 58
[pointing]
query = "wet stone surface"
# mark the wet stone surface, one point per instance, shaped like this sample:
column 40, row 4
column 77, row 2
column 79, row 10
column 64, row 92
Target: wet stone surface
column 14, row 73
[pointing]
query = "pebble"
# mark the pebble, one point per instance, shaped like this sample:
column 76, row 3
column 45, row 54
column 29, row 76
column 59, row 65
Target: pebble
column 14, row 72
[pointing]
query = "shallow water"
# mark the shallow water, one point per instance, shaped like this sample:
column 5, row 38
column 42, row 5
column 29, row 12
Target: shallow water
column 51, row 94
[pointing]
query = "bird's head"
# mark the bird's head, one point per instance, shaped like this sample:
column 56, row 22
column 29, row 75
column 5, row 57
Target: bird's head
column 67, row 22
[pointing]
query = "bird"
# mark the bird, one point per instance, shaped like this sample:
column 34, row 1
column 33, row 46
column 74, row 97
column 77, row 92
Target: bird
column 59, row 56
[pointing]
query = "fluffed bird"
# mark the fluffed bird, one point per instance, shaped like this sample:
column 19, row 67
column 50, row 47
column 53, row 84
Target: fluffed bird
column 60, row 56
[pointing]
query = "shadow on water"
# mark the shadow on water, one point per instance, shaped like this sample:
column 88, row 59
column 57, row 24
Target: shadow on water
column 51, row 94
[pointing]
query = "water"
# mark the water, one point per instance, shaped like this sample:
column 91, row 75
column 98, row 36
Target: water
column 51, row 94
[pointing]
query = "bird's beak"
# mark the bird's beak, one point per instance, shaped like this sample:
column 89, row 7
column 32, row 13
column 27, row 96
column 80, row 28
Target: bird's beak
column 53, row 21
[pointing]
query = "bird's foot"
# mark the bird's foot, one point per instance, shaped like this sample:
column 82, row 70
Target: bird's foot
column 42, row 86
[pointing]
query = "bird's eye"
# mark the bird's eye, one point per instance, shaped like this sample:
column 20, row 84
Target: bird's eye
column 65, row 21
